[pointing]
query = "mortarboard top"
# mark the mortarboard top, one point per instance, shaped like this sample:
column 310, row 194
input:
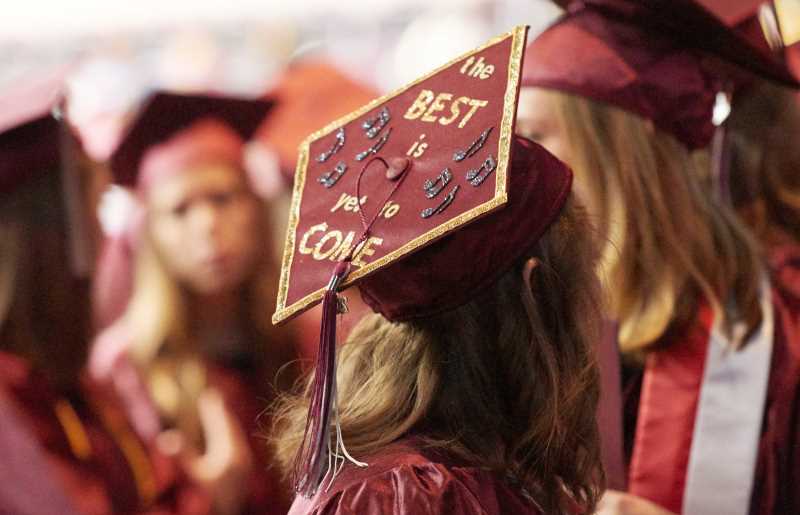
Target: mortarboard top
column 167, row 114
column 455, row 128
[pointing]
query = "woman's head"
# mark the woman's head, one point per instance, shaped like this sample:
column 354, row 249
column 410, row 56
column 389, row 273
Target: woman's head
column 666, row 240
column 201, row 242
column 507, row 380
column 205, row 225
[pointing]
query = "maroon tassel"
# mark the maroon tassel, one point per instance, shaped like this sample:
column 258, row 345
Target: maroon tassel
column 312, row 458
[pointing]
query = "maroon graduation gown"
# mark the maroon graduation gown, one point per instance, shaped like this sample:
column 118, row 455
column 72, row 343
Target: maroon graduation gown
column 662, row 401
column 404, row 479
column 96, row 459
column 247, row 391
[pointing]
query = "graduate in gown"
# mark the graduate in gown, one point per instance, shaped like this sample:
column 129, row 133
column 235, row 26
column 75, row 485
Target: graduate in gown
column 194, row 356
column 472, row 387
column 625, row 92
column 66, row 446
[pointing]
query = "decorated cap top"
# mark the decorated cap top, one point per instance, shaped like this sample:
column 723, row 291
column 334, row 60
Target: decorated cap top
column 405, row 174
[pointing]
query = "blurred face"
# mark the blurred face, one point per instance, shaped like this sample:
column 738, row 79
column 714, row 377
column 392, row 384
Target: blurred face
column 537, row 120
column 204, row 224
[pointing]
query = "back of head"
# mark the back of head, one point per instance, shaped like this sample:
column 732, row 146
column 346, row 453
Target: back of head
column 507, row 381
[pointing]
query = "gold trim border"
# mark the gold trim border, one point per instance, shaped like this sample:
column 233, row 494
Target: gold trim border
column 518, row 33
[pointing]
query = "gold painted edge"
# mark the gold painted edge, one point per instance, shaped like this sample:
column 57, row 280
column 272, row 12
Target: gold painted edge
column 517, row 34
column 291, row 231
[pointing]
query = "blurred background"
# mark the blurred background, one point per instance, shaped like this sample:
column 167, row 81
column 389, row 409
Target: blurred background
column 114, row 53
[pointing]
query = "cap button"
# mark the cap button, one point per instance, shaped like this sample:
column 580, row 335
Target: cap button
column 397, row 165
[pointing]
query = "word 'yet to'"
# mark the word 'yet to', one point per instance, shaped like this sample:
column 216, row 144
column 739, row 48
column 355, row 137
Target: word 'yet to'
column 351, row 203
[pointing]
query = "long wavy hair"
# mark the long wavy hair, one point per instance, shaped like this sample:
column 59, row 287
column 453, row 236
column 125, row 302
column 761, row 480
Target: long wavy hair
column 163, row 346
column 669, row 243
column 765, row 163
column 508, row 381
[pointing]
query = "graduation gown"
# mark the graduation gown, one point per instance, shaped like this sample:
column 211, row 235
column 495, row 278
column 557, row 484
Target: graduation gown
column 26, row 484
column 247, row 388
column 85, row 446
column 405, row 479
column 663, row 403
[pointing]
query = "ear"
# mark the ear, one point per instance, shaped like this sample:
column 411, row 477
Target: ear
column 527, row 292
column 531, row 265
column 527, row 271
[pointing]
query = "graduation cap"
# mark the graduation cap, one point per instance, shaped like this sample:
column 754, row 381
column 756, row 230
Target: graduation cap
column 30, row 133
column 654, row 58
column 173, row 129
column 35, row 140
column 421, row 198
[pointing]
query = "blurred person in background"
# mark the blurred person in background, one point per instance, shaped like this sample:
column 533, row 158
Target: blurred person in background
column 624, row 91
column 73, row 451
column 194, row 356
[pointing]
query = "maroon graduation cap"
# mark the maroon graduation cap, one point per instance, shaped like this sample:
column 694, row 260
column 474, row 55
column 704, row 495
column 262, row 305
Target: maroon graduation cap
column 655, row 58
column 184, row 126
column 30, row 134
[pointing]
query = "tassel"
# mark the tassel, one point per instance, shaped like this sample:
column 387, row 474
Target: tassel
column 314, row 459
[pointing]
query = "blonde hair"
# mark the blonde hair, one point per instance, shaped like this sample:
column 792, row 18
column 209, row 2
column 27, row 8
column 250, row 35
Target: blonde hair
column 508, row 381
column 668, row 242
column 157, row 320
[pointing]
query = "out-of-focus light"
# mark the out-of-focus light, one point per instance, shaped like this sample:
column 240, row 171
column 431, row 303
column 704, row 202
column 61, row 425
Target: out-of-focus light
column 189, row 61
column 102, row 94
column 116, row 210
column 432, row 40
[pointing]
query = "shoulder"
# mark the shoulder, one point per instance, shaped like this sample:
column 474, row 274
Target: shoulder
column 400, row 483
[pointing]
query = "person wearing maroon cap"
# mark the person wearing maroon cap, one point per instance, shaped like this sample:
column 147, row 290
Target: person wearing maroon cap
column 193, row 356
column 624, row 92
column 66, row 448
column 472, row 387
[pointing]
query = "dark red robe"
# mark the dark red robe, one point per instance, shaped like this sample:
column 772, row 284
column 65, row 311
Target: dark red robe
column 247, row 388
column 672, row 379
column 405, row 479
column 112, row 471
